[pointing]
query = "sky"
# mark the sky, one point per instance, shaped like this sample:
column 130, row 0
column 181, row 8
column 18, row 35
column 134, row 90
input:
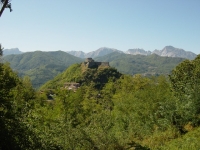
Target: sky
column 86, row 25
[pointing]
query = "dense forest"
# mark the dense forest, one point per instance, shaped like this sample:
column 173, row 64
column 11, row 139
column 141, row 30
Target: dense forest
column 109, row 110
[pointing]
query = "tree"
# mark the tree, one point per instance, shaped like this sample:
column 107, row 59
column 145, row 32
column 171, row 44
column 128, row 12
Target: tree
column 16, row 97
column 5, row 4
column 185, row 83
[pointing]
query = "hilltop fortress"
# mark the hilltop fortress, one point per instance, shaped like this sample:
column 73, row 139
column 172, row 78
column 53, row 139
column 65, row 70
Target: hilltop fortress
column 90, row 63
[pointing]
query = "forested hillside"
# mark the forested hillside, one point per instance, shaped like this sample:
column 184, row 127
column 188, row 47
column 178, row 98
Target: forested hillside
column 85, row 76
column 146, row 65
column 44, row 66
column 108, row 111
column 41, row 66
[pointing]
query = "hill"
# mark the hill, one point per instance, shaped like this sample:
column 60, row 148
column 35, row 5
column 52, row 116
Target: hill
column 41, row 66
column 83, row 75
column 141, row 64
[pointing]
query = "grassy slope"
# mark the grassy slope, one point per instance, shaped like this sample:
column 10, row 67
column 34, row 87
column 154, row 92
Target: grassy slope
column 72, row 74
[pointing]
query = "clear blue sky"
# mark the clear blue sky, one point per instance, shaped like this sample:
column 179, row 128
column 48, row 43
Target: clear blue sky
column 87, row 25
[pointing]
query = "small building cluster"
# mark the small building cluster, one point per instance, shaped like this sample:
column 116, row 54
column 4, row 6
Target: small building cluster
column 71, row 85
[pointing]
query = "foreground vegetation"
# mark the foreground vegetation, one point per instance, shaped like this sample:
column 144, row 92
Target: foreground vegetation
column 108, row 111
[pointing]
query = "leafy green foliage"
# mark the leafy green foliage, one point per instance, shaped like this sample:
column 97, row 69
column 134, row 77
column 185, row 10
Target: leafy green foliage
column 188, row 141
column 185, row 82
column 14, row 107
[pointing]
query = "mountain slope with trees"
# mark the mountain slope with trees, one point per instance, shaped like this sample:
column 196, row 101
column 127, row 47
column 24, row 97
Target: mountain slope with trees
column 41, row 66
column 140, row 64
column 44, row 66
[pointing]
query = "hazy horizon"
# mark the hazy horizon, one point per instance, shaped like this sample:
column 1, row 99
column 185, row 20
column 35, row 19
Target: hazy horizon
column 96, row 49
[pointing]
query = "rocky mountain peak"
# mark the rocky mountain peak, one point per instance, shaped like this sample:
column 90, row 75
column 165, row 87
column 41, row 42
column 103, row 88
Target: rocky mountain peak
column 171, row 51
column 97, row 53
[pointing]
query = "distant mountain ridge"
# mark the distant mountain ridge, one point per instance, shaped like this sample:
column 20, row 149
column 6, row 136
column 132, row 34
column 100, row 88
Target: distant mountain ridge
column 167, row 51
column 11, row 51
column 138, row 51
column 97, row 53
column 171, row 51
column 79, row 54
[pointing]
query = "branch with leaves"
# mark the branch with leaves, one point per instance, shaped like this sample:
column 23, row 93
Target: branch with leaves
column 5, row 4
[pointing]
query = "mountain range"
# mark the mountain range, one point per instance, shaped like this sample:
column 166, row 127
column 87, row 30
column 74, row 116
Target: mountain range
column 168, row 51
column 43, row 66
column 97, row 53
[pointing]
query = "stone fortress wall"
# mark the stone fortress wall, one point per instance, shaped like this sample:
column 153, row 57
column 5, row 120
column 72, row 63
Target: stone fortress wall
column 90, row 63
